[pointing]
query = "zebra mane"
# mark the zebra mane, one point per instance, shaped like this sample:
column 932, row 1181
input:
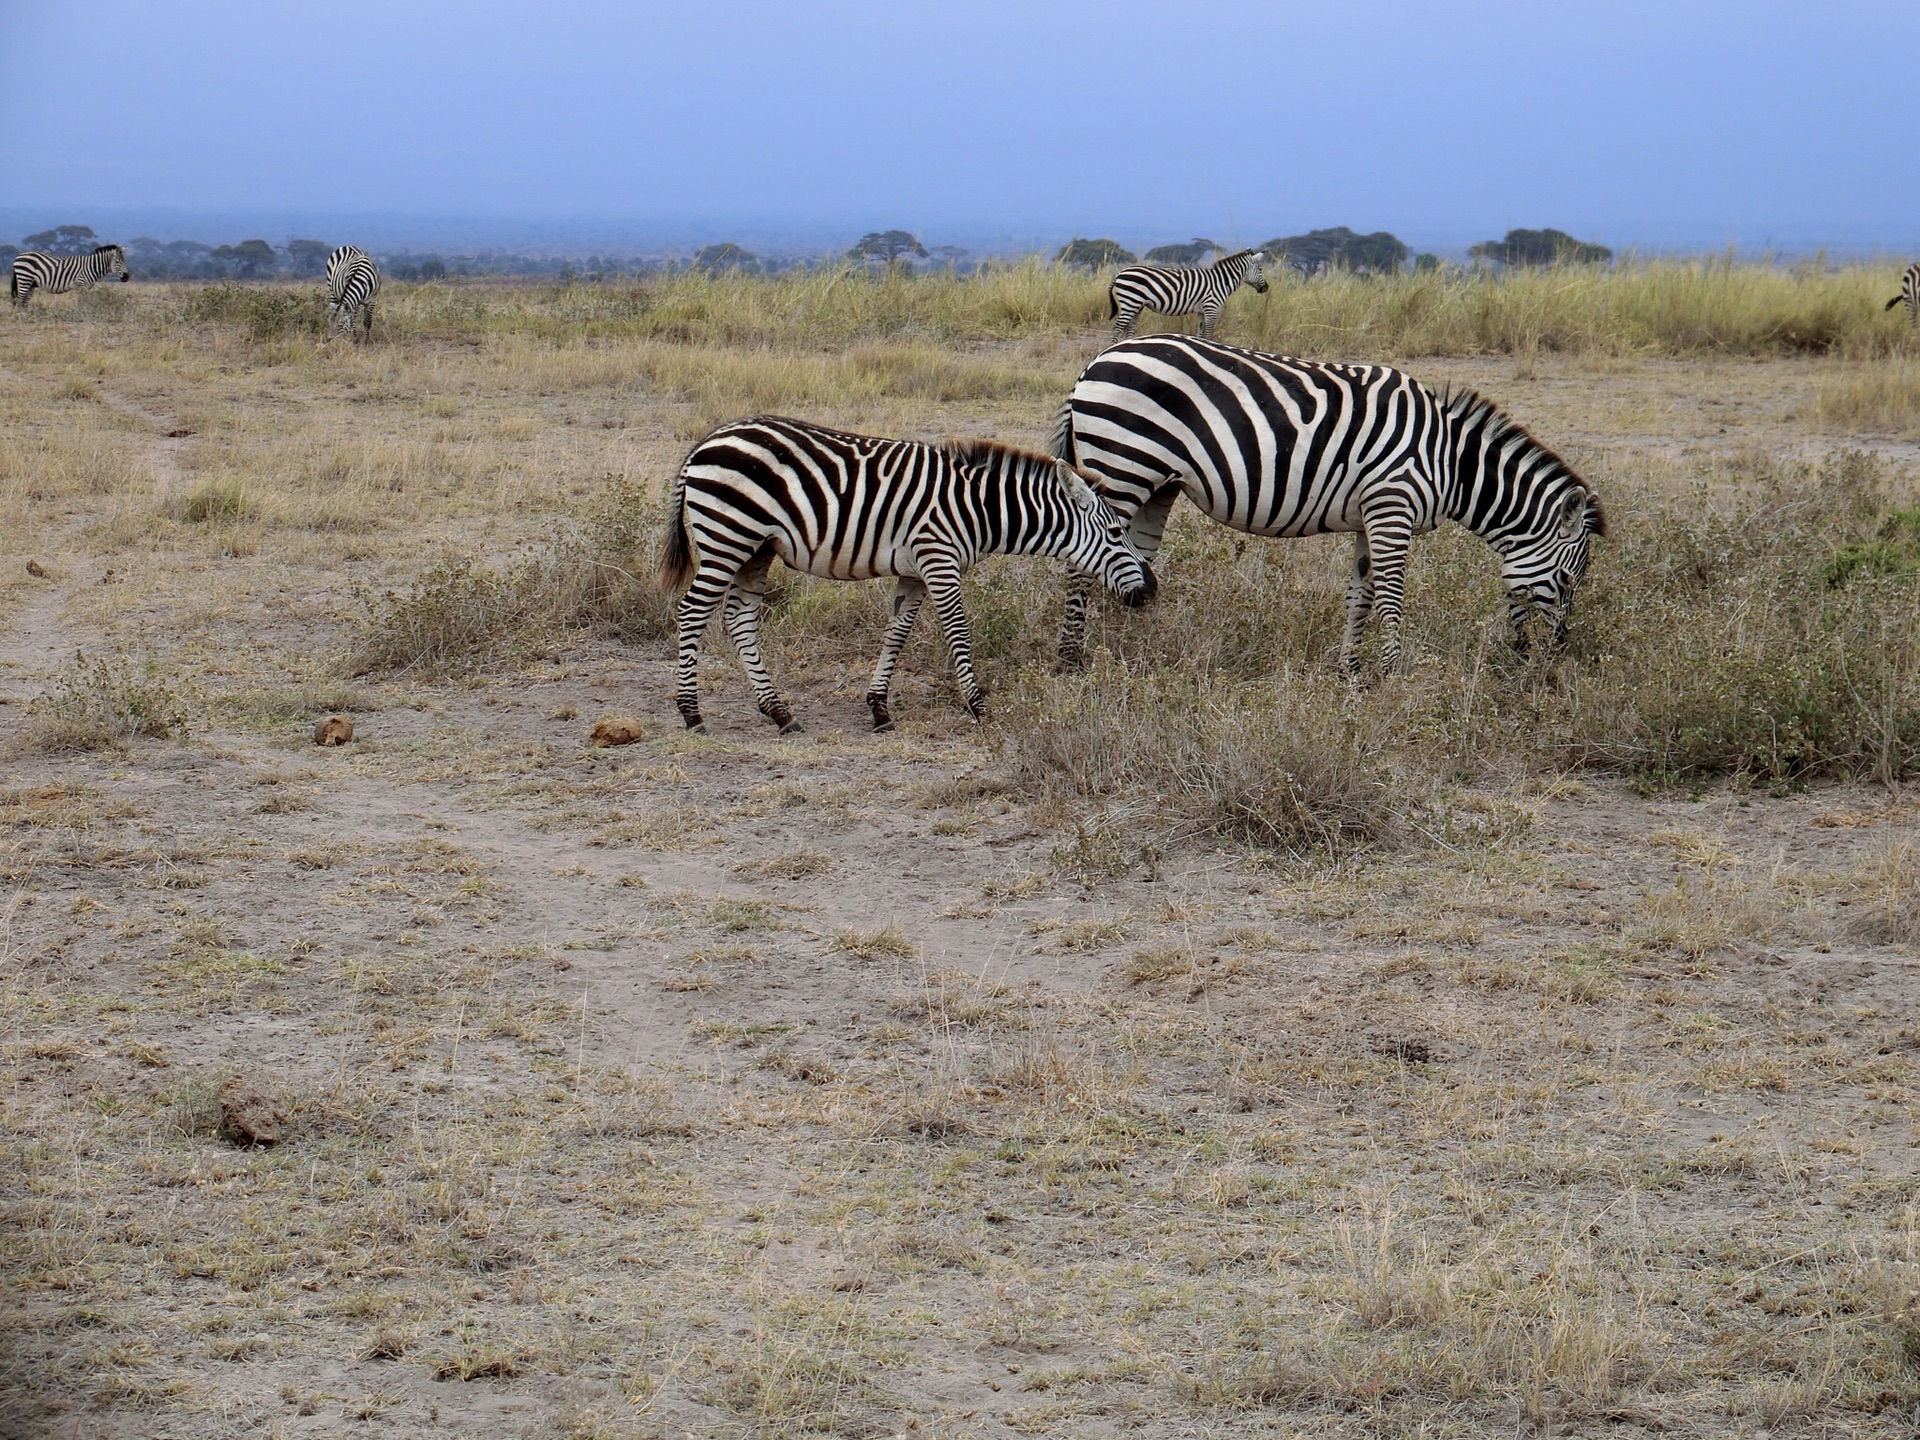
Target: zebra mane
column 985, row 452
column 1469, row 408
column 102, row 249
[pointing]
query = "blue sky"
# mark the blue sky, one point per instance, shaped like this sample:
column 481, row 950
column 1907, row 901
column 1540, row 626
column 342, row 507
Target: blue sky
column 1662, row 125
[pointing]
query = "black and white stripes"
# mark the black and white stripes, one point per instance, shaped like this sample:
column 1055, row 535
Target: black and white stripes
column 1200, row 291
column 57, row 274
column 1910, row 293
column 852, row 507
column 1283, row 447
column 352, row 282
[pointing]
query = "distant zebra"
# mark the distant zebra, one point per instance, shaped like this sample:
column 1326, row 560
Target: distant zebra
column 352, row 282
column 1909, row 292
column 1201, row 291
column 57, row 274
column 852, row 507
column 1284, row 447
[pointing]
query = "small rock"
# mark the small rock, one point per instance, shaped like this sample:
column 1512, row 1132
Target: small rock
column 38, row 571
column 619, row 730
column 334, row 730
column 248, row 1114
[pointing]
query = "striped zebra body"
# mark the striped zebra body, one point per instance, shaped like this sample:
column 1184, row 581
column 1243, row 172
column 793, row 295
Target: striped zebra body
column 352, row 282
column 1276, row 446
column 1910, row 293
column 57, row 274
column 1202, row 290
column 852, row 507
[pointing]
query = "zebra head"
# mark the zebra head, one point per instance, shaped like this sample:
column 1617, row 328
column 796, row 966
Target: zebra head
column 1102, row 547
column 115, row 259
column 1542, row 570
column 1256, row 272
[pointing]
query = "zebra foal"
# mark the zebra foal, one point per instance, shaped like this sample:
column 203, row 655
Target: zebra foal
column 1202, row 290
column 1910, row 293
column 853, row 507
column 57, row 274
column 352, row 282
column 1276, row 446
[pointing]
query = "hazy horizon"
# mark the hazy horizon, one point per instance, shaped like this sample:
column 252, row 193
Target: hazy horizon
column 792, row 129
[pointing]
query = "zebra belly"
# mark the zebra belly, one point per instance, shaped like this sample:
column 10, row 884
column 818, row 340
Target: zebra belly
column 865, row 563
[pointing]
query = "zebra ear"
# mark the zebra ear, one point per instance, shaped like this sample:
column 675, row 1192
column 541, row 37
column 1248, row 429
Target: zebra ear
column 1077, row 488
column 1573, row 514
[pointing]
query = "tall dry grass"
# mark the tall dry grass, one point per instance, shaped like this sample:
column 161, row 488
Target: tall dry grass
column 1701, row 306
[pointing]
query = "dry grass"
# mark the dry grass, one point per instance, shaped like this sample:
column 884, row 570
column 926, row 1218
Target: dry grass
column 725, row 1086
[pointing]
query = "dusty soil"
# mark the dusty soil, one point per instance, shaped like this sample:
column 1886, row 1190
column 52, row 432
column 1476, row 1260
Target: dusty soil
column 758, row 1085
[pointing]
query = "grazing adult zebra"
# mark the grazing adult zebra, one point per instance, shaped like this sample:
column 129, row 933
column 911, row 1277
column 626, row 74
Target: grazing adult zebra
column 352, row 282
column 1283, row 447
column 57, row 274
column 1201, row 290
column 852, row 507
column 1909, row 292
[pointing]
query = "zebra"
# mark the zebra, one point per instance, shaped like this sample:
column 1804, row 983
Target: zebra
column 57, row 274
column 1276, row 446
column 1202, row 290
column 854, row 507
column 352, row 282
column 1909, row 292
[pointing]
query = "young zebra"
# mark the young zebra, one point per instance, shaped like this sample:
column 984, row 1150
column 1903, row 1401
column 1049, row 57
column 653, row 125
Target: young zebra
column 57, row 274
column 352, row 282
column 1276, row 446
column 1909, row 292
column 852, row 507
column 1202, row 290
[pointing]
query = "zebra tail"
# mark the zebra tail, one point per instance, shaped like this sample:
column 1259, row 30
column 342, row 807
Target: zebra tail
column 676, row 556
column 1894, row 301
column 1060, row 437
column 1113, row 305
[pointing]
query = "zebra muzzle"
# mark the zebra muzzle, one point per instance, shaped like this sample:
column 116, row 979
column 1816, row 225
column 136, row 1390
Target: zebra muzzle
column 1143, row 593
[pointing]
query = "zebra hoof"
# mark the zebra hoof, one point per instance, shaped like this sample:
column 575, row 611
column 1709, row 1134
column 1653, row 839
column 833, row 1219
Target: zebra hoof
column 792, row 727
column 699, row 727
column 883, row 727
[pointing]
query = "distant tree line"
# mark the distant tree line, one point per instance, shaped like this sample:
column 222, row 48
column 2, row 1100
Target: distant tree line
column 878, row 251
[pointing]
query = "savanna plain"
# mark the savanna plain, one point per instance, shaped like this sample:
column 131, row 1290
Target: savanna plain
column 1202, row 1047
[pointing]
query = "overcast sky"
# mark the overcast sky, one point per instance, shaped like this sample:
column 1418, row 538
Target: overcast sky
column 1683, row 123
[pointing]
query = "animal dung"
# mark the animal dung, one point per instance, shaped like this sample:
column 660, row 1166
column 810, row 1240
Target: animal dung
column 616, row 730
column 38, row 571
column 248, row 1114
column 334, row 730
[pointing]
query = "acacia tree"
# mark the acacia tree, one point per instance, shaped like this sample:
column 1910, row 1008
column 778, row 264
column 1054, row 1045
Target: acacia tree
column 889, row 245
column 1191, row 253
column 306, row 257
column 1339, row 248
column 1094, row 254
column 717, row 259
column 250, row 258
column 63, row 240
column 1541, row 247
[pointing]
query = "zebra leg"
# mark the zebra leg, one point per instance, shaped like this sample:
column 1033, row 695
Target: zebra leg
column 744, row 604
column 907, row 595
column 1388, row 535
column 1147, row 527
column 942, row 578
column 1208, row 314
column 1359, row 604
column 1073, row 626
column 710, row 586
column 1124, row 322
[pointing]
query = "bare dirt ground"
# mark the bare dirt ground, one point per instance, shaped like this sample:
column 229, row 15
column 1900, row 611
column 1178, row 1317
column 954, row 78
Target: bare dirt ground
column 748, row 1085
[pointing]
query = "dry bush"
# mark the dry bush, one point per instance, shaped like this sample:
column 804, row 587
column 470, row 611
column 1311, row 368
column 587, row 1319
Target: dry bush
column 263, row 312
column 106, row 698
column 1285, row 765
column 595, row 572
